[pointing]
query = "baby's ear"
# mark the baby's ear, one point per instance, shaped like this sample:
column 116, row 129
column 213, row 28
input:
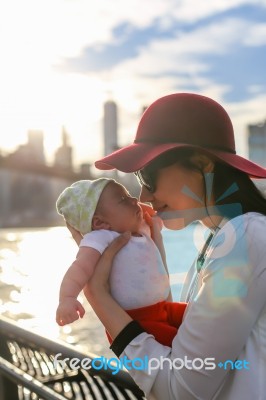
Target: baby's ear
column 98, row 223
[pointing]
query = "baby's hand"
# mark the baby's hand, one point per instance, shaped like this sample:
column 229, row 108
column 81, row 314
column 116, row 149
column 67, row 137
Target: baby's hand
column 69, row 310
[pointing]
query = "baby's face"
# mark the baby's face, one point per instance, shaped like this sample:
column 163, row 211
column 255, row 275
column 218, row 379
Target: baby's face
column 121, row 211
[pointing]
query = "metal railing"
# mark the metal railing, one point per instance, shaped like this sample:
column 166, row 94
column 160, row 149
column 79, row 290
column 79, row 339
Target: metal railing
column 28, row 371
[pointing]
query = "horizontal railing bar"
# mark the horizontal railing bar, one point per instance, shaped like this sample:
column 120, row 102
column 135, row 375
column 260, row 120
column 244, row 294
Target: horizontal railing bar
column 10, row 330
column 22, row 378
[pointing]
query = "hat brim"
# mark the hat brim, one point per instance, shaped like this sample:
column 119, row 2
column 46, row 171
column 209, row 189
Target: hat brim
column 137, row 155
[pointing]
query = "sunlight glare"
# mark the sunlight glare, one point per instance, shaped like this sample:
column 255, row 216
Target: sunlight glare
column 36, row 91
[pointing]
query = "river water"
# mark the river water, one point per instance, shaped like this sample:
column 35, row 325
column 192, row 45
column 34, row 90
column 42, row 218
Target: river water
column 33, row 262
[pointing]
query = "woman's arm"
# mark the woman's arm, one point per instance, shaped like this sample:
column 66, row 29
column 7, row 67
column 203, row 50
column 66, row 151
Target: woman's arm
column 216, row 327
column 155, row 223
column 157, row 226
column 226, row 304
column 97, row 291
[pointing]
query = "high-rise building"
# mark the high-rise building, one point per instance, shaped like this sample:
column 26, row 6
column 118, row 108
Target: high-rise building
column 31, row 152
column 110, row 127
column 257, row 143
column 35, row 145
column 63, row 155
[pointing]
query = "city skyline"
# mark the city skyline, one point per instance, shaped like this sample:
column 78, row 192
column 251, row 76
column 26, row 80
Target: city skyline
column 62, row 156
column 62, row 59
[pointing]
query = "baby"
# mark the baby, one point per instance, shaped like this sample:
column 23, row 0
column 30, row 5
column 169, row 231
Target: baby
column 101, row 210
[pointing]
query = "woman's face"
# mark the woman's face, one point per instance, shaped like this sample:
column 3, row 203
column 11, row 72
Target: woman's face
column 178, row 197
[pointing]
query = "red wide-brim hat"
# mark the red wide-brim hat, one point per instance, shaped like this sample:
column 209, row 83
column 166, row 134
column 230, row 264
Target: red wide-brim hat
column 177, row 121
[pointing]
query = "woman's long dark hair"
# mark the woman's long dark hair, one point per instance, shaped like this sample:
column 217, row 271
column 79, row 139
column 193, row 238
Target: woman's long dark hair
column 244, row 191
column 233, row 190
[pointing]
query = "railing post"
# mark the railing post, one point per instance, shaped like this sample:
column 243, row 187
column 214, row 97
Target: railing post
column 8, row 389
column 34, row 351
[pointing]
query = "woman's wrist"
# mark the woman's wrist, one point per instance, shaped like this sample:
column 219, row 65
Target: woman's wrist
column 119, row 325
column 124, row 337
column 112, row 315
column 97, row 290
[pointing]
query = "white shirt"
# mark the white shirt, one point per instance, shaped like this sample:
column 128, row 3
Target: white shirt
column 225, row 320
column 138, row 277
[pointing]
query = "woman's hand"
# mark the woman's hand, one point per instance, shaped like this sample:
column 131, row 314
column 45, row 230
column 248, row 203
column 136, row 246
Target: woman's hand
column 97, row 291
column 77, row 236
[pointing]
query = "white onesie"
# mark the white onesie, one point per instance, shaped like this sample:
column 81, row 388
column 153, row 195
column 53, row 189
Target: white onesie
column 138, row 277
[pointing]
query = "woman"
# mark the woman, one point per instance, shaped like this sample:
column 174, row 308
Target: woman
column 184, row 157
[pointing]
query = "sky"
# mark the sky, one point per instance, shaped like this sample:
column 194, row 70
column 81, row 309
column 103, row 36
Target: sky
column 62, row 59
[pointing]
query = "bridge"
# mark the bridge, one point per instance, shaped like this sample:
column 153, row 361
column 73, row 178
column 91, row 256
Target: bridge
column 29, row 167
column 29, row 191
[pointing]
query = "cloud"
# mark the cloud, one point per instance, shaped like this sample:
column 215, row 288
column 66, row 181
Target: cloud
column 185, row 54
column 193, row 10
column 137, row 50
column 190, row 58
column 54, row 30
column 79, row 26
column 256, row 35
